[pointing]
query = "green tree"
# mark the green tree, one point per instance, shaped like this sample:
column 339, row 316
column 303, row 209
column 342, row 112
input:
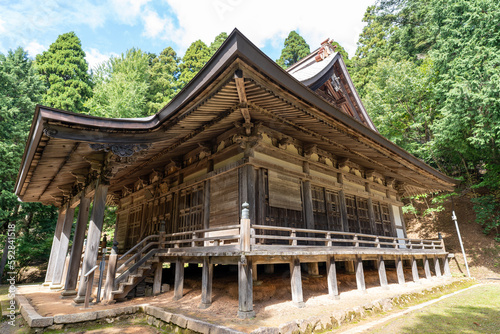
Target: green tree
column 193, row 61
column 215, row 45
column 21, row 88
column 121, row 86
column 295, row 48
column 66, row 74
column 164, row 73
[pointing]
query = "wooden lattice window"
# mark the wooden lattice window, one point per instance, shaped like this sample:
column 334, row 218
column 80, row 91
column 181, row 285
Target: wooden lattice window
column 333, row 209
column 191, row 209
column 134, row 225
column 352, row 214
column 386, row 220
column 319, row 208
column 378, row 219
column 364, row 216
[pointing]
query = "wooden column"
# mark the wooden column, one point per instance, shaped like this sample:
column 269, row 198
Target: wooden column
column 308, row 205
column 437, row 268
column 296, row 282
column 206, row 205
column 399, row 270
column 427, row 268
column 446, row 267
column 254, row 272
column 371, row 213
column 93, row 238
column 350, row 267
column 269, row 268
column 158, row 278
column 333, row 289
column 261, row 198
column 77, row 247
column 382, row 275
column 414, row 269
column 179, row 278
column 313, row 268
column 57, row 277
column 245, row 289
column 360, row 275
column 111, row 273
column 55, row 247
column 247, row 185
column 206, row 283
column 342, row 205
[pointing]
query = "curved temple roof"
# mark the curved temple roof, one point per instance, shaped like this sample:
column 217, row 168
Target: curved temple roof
column 64, row 149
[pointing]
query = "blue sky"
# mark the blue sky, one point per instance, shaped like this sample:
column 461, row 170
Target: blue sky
column 109, row 28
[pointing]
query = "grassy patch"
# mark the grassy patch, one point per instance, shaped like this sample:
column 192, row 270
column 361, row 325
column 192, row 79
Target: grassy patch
column 474, row 311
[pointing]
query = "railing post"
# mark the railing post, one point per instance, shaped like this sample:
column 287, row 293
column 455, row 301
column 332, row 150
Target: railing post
column 356, row 244
column 110, row 276
column 293, row 234
column 88, row 292
column 395, row 243
column 193, row 240
column 329, row 240
column 442, row 241
column 245, row 228
column 161, row 238
column 377, row 240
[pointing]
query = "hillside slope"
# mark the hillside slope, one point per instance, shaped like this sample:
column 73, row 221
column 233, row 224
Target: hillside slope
column 483, row 253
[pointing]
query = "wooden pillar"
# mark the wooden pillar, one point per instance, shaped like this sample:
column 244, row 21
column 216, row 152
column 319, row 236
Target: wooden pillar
column 342, row 205
column 206, row 283
column 446, row 267
column 350, row 267
column 371, row 213
column 261, row 198
column 308, row 205
column 399, row 270
column 206, row 205
column 427, row 268
column 269, row 268
column 333, row 289
column 55, row 247
column 77, row 247
column 296, row 282
column 254, row 272
column 313, row 268
column 93, row 238
column 179, row 278
column 437, row 268
column 111, row 273
column 57, row 277
column 245, row 289
column 360, row 275
column 158, row 278
column 414, row 269
column 247, row 182
column 382, row 275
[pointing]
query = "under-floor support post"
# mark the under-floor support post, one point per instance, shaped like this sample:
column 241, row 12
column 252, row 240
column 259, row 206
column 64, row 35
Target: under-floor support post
column 254, row 272
column 313, row 268
column 179, row 278
column 158, row 278
column 446, row 267
column 427, row 268
column 414, row 270
column 269, row 268
column 349, row 267
column 382, row 275
column 331, row 271
column 206, row 283
column 245, row 289
column 437, row 268
column 360, row 275
column 399, row 270
column 55, row 247
column 296, row 283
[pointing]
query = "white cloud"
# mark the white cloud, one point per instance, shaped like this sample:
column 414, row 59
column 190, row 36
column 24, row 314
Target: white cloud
column 2, row 26
column 264, row 21
column 128, row 11
column 154, row 25
column 33, row 48
column 94, row 57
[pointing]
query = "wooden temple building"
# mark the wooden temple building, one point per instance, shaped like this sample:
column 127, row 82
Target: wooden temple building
column 249, row 164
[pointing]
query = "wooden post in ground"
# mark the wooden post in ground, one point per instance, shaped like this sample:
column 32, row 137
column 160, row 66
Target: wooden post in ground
column 55, row 247
column 331, row 271
column 206, row 283
column 360, row 275
column 93, row 238
column 110, row 275
column 269, row 268
column 158, row 278
column 245, row 289
column 399, row 270
column 427, row 268
column 296, row 283
column 437, row 268
column 179, row 278
column 414, row 269
column 313, row 268
column 382, row 275
column 77, row 247
column 446, row 266
column 350, row 267
column 57, row 277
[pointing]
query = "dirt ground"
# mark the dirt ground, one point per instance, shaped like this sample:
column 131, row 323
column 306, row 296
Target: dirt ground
column 272, row 297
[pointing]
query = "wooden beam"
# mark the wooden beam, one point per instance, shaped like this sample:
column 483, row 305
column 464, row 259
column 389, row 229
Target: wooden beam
column 296, row 283
column 331, row 271
column 206, row 283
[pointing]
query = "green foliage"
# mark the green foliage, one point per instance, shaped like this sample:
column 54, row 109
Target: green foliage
column 216, row 44
column 295, row 49
column 164, row 73
column 121, row 86
column 66, row 74
column 193, row 61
